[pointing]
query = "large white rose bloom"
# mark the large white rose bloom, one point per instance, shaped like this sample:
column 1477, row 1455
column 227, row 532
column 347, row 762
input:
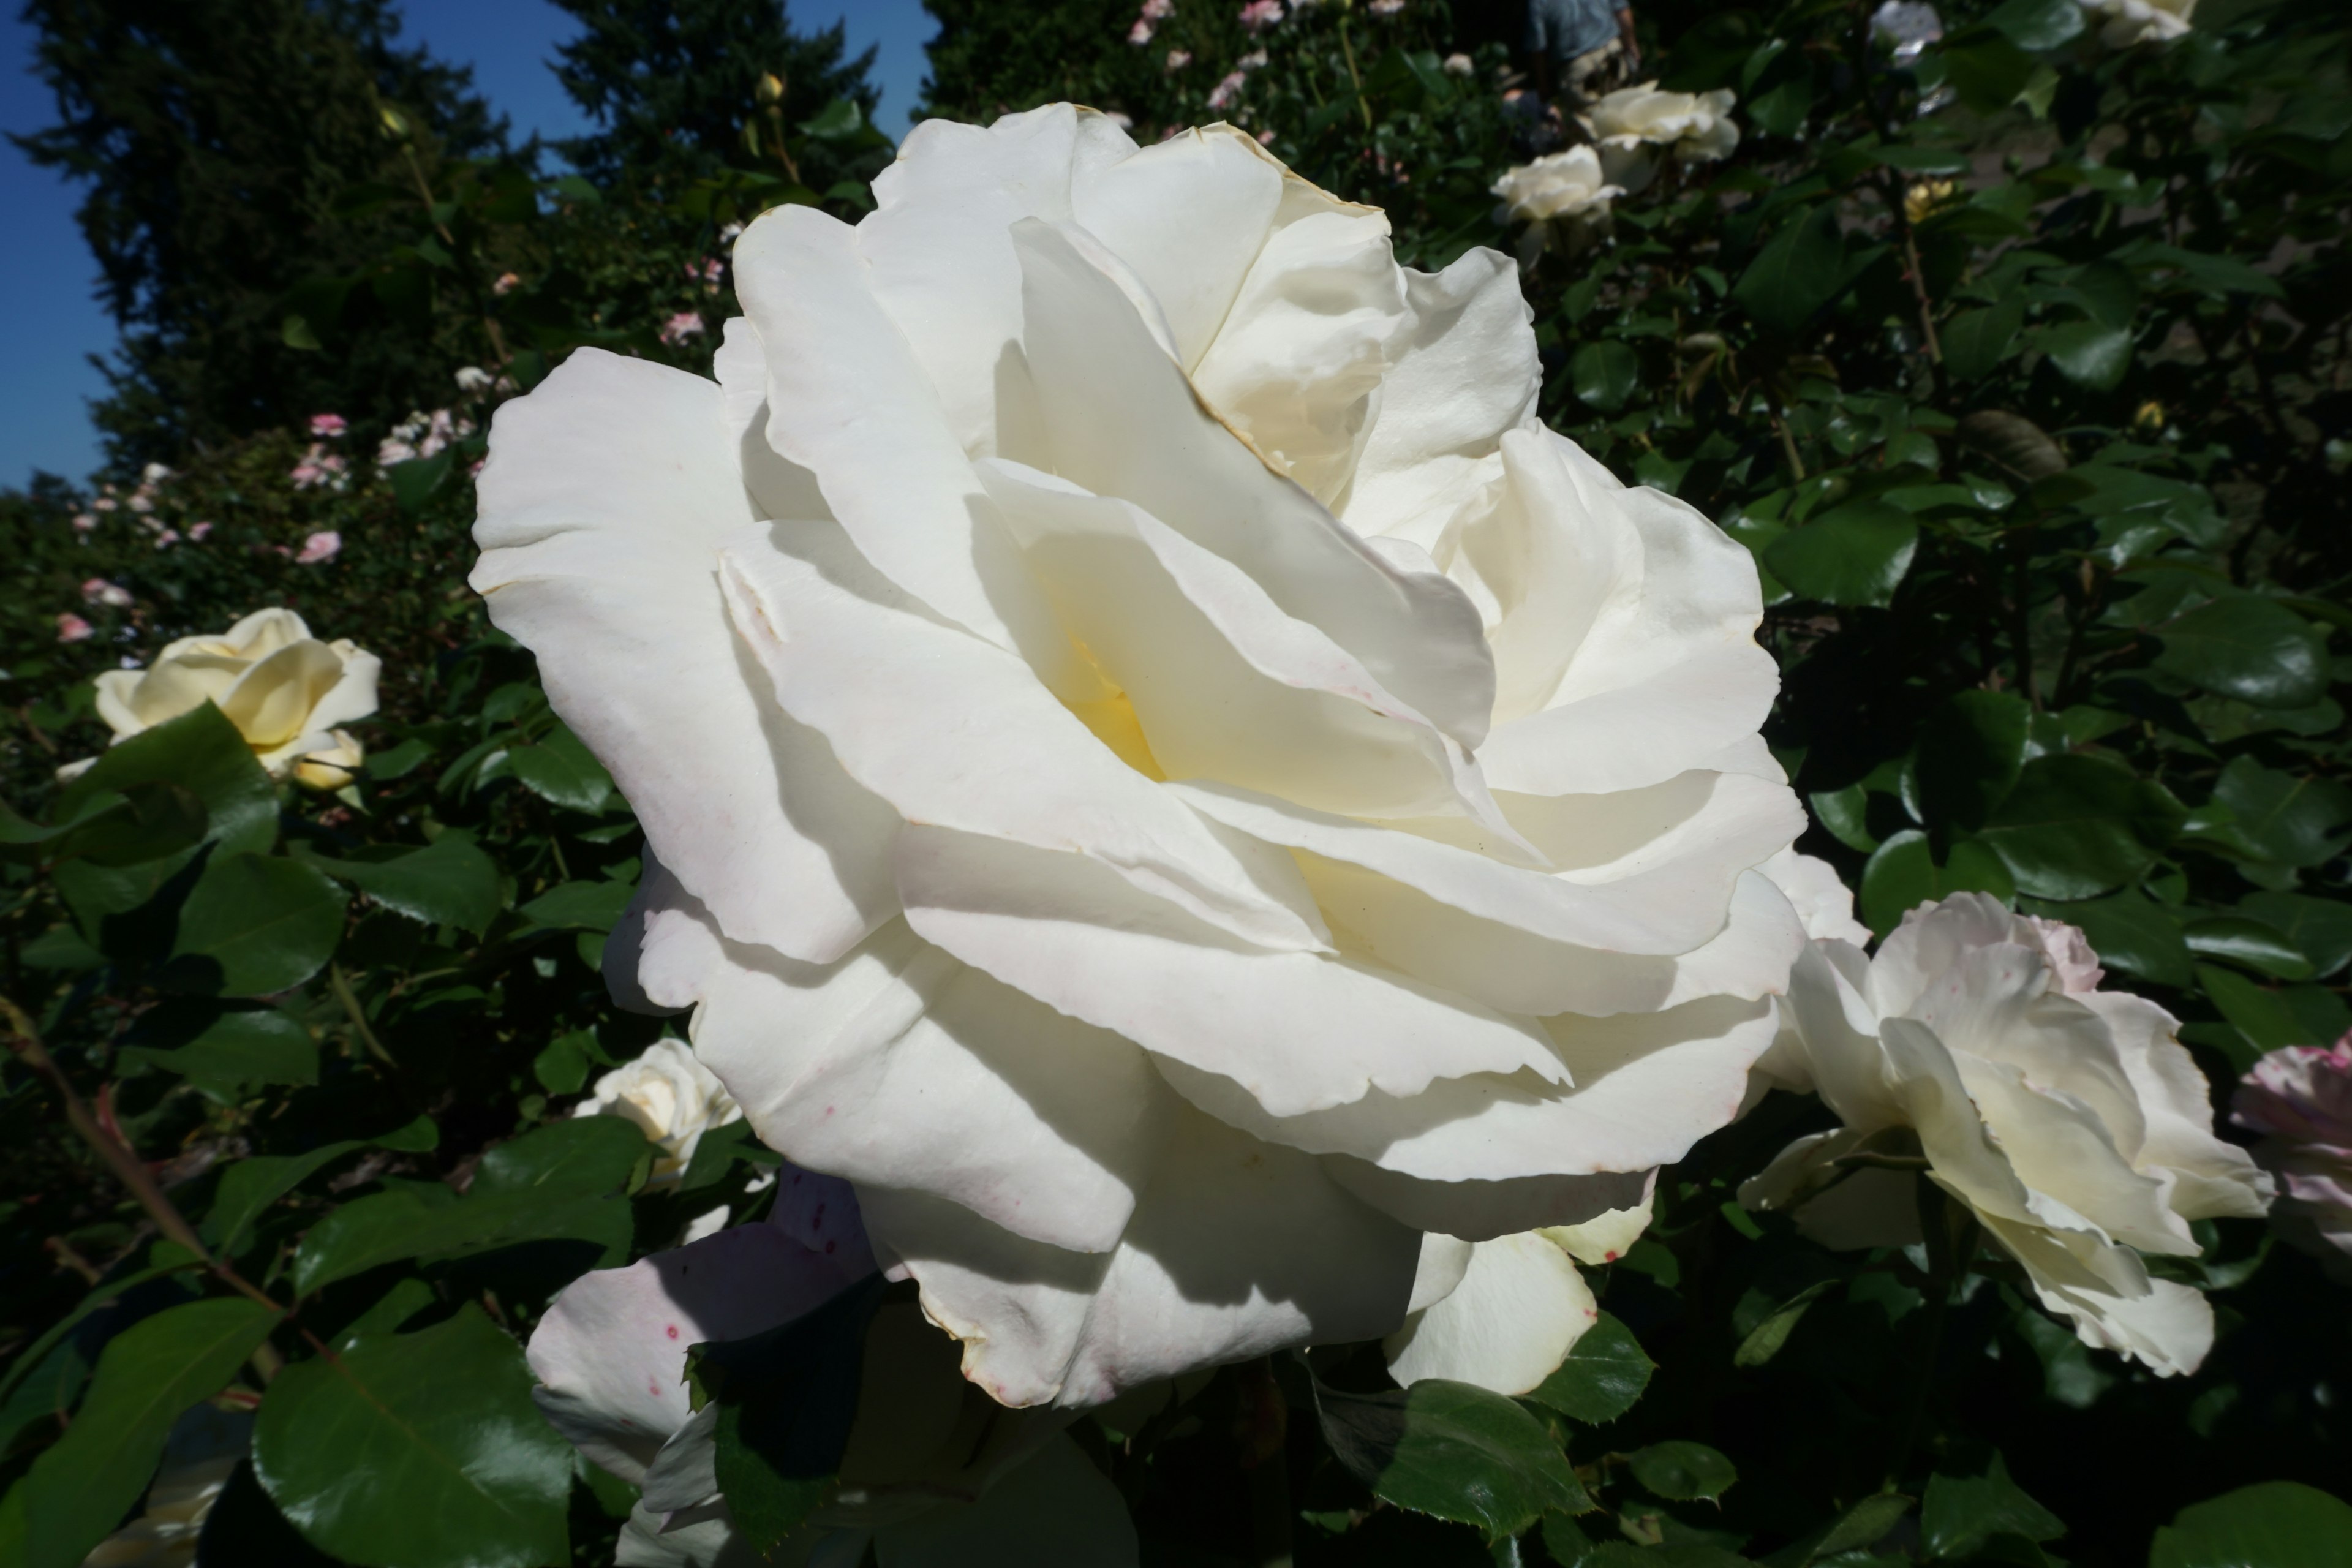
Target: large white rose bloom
column 1156, row 765
column 284, row 689
column 2069, row 1119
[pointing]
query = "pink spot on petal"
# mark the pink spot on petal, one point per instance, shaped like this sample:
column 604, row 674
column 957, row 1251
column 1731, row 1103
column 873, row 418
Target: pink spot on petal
column 829, row 1246
column 673, row 1331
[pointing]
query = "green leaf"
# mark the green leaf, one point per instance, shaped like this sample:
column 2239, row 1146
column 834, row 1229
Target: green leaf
column 579, row 1155
column 407, row 1223
column 786, row 1399
column 1765, row 1340
column 2249, row 942
column 1971, row 750
column 2089, row 354
column 560, row 770
column 839, row 119
column 202, row 753
column 1683, row 1472
column 2038, row 24
column 1667, row 1554
column 255, row 925
column 447, row 882
column 1798, row 274
column 422, row 1450
column 1976, row 342
column 80, row 1490
column 2294, row 821
column 1961, row 1514
column 1864, row 1524
column 2128, row 932
column 414, row 482
column 2321, row 929
column 1989, row 74
column 1850, row 555
column 2274, row 1524
column 1903, row 874
column 2255, row 1012
column 2078, row 825
column 249, row 1186
column 717, row 1151
column 1604, row 373
column 145, row 822
column 398, row 762
column 596, row 905
column 2248, row 647
column 2013, row 441
column 1452, row 1450
column 1603, row 1375
column 224, row 1050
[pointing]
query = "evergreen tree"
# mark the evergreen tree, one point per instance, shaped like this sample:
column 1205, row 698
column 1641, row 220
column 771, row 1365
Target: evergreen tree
column 671, row 83
column 990, row 57
column 220, row 140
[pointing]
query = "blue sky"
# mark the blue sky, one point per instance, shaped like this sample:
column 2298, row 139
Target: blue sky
column 52, row 323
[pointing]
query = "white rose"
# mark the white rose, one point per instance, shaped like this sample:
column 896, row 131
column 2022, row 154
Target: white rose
column 1156, row 765
column 1638, row 126
column 1564, row 184
column 284, row 689
column 2070, row 1120
column 671, row 1097
column 926, row 1478
column 2129, row 22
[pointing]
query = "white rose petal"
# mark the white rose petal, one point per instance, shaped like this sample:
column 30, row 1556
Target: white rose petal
column 1156, row 765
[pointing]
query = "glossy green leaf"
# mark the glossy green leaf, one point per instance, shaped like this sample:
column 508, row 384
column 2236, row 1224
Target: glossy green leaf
column 202, row 753
column 2247, row 648
column 148, row 1374
column 1765, row 1340
column 1604, row 373
column 2038, row 24
column 448, row 882
column 578, row 1155
column 1971, row 750
column 255, row 925
column 2321, row 929
column 1682, row 1471
column 1962, row 1513
column 407, row 1223
column 2273, row 1524
column 2077, row 826
column 224, row 1050
column 419, row 1450
column 1453, row 1451
column 414, row 481
column 1602, row 1378
column 250, row 1185
column 2286, row 817
column 2089, row 354
column 786, row 1399
column 2128, row 932
column 145, row 822
column 2256, row 1011
column 1798, row 273
column 1976, row 342
column 559, row 770
column 1904, row 874
column 596, row 906
column 1851, row 555
column 1988, row 74
column 2243, row 941
column 1667, row 1554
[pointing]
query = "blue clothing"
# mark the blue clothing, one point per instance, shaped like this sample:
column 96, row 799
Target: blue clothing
column 1567, row 28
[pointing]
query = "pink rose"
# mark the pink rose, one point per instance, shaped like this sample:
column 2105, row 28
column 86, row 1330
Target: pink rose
column 1179, row 58
column 197, row 530
column 2302, row 1096
column 1140, row 34
column 98, row 591
column 73, row 628
column 1226, row 92
column 84, row 522
column 320, row 546
column 678, row 328
column 327, row 425
column 1260, row 14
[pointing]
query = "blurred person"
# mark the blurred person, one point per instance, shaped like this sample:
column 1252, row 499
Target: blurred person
column 1581, row 50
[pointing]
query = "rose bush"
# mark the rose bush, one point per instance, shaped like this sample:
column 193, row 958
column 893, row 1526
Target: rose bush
column 1977, row 1048
column 1156, row 765
column 287, row 693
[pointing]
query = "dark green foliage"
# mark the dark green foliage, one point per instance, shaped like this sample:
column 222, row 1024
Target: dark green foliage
column 221, row 141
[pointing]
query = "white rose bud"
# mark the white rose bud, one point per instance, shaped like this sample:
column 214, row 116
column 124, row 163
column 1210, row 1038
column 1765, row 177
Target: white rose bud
column 2070, row 1120
column 1156, row 765
column 1564, row 184
column 286, row 691
column 671, row 1097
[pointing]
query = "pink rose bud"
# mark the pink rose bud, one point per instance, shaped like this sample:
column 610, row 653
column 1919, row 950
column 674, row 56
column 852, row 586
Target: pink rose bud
column 73, row 628
column 320, row 546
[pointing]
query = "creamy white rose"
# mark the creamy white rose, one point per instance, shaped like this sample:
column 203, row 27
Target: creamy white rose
column 1562, row 185
column 1156, row 765
column 2124, row 23
column 2069, row 1119
column 284, row 689
column 671, row 1097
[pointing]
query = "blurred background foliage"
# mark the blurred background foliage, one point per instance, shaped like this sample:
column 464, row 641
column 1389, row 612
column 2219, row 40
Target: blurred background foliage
column 2019, row 362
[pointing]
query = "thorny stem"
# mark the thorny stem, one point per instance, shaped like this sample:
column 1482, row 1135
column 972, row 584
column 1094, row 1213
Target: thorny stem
column 1952, row 1233
column 132, row 1172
